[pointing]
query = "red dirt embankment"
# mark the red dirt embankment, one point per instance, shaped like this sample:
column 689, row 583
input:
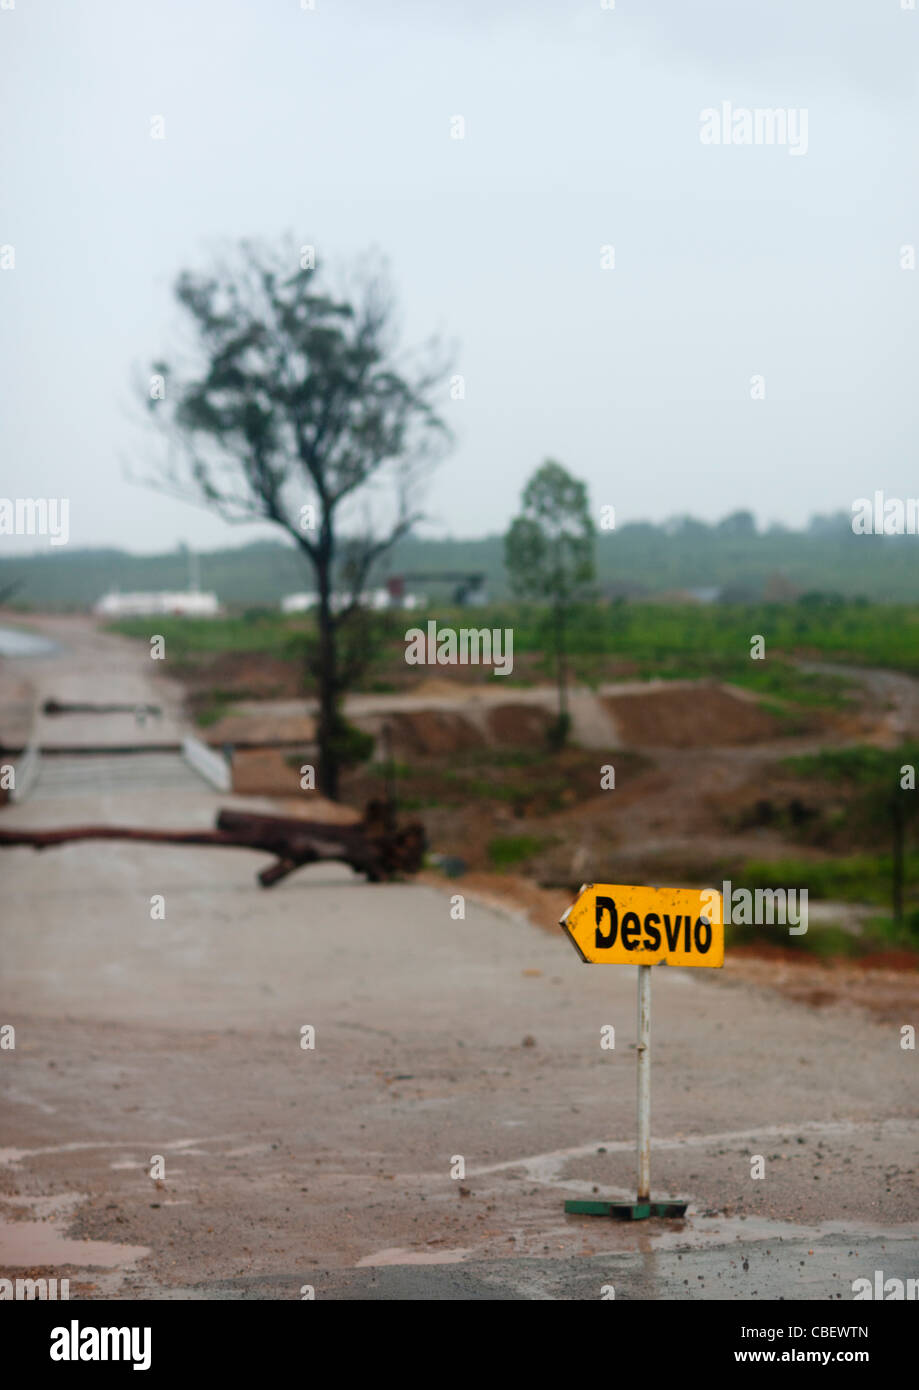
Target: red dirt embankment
column 684, row 716
column 440, row 732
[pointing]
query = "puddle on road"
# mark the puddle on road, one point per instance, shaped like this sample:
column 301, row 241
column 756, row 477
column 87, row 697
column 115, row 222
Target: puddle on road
column 718, row 1230
column 24, row 1244
column 16, row 641
column 395, row 1256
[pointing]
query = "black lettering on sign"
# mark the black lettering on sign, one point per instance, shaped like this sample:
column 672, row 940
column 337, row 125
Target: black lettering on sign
column 603, row 943
column 703, row 926
column 654, row 936
column 629, row 930
column 673, row 931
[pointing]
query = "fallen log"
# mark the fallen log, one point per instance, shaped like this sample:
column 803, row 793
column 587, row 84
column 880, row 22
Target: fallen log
column 370, row 847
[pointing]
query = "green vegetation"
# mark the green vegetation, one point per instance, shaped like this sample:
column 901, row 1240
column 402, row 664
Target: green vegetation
column 636, row 559
column 854, row 878
column 506, row 851
column 861, row 766
column 828, row 941
column 218, row 705
column 687, row 640
column 528, row 780
column 189, row 639
column 549, row 555
column 669, row 641
column 351, row 745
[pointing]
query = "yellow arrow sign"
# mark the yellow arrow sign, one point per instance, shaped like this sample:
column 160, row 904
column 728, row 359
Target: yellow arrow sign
column 614, row 924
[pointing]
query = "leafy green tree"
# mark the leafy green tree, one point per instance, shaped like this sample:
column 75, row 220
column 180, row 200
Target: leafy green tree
column 549, row 554
column 740, row 524
column 297, row 411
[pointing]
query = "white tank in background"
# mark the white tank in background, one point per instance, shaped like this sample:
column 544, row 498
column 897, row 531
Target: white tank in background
column 190, row 604
column 298, row 603
column 376, row 599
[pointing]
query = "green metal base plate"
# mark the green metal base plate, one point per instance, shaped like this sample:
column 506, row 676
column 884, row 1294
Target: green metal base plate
column 628, row 1211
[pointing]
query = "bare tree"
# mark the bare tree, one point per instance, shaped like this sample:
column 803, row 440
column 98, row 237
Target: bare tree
column 299, row 412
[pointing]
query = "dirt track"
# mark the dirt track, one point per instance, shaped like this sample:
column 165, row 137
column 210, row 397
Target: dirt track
column 435, row 1038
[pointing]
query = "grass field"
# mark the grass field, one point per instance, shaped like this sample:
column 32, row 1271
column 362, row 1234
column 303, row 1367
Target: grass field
column 645, row 639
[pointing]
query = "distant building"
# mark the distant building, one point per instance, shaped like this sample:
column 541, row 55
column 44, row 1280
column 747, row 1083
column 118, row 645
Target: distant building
column 191, row 604
column 374, row 598
column 707, row 594
column 298, row 603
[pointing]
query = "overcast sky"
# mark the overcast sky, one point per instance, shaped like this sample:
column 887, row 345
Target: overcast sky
column 582, row 130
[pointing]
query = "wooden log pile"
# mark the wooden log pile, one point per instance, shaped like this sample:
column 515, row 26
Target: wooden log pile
column 374, row 846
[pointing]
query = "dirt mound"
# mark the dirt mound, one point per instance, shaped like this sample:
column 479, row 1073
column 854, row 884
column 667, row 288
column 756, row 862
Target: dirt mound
column 265, row 772
column 433, row 731
column 522, row 725
column 696, row 716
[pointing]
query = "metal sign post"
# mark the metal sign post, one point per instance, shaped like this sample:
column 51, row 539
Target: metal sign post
column 611, row 924
column 644, row 1083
